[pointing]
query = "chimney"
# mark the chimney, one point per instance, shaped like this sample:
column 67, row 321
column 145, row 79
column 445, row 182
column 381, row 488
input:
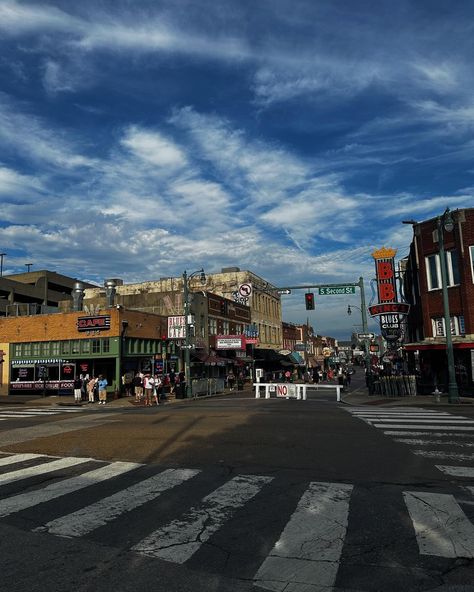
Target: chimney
column 77, row 296
column 110, row 291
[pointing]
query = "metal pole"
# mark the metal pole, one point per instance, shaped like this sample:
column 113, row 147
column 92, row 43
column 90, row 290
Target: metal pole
column 2, row 255
column 365, row 329
column 187, row 350
column 453, row 393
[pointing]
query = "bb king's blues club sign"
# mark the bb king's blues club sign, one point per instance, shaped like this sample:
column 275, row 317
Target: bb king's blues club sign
column 97, row 323
column 388, row 309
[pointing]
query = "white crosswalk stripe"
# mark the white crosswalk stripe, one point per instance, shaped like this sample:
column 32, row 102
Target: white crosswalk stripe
column 304, row 554
column 180, row 539
column 15, row 413
column 309, row 548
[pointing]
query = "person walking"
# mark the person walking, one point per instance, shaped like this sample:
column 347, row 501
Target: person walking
column 157, row 389
column 77, row 389
column 231, row 380
column 102, row 384
column 137, row 387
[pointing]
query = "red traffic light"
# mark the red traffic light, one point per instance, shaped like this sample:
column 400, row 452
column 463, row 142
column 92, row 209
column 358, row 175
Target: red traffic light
column 309, row 300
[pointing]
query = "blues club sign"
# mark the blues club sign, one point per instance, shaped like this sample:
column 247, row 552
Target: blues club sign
column 388, row 308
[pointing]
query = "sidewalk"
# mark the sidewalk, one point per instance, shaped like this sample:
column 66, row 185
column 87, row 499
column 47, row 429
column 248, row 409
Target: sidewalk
column 360, row 396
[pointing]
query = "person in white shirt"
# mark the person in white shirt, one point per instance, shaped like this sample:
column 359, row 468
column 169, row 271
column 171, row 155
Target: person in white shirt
column 149, row 385
column 157, row 389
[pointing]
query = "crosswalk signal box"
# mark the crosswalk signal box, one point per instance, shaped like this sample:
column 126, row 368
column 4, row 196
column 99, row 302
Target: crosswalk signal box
column 309, row 300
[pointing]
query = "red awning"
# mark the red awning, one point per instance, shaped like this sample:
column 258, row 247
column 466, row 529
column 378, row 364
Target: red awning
column 437, row 346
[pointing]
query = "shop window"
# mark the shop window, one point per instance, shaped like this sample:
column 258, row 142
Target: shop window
column 17, row 350
column 433, row 270
column 85, row 346
column 457, row 326
column 65, row 347
column 27, row 349
column 55, row 348
column 106, row 345
column 95, row 346
column 45, row 348
column 36, row 349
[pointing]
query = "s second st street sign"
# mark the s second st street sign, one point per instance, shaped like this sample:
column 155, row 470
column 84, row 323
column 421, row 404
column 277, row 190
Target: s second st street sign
column 331, row 291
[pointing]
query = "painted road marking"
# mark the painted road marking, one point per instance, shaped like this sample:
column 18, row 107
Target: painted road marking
column 427, row 427
column 100, row 513
column 308, row 552
column 180, row 539
column 17, row 458
column 441, row 527
column 457, row 471
column 55, row 490
column 48, row 467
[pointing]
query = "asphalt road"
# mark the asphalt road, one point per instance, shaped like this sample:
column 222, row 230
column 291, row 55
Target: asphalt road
column 237, row 493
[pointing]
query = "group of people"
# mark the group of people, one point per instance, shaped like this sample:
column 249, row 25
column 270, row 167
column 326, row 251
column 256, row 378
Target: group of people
column 90, row 388
column 149, row 389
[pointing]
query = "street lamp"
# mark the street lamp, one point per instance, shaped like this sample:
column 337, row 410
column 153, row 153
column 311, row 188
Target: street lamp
column 446, row 223
column 188, row 321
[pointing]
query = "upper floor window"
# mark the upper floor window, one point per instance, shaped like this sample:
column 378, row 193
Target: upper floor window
column 457, row 326
column 212, row 326
column 433, row 270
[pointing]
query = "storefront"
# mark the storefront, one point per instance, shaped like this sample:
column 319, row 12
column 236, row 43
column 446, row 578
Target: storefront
column 46, row 352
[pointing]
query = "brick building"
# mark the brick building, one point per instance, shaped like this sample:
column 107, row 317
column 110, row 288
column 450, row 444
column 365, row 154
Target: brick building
column 425, row 339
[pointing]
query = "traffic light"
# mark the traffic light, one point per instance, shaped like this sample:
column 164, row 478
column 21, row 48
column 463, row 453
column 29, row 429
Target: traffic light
column 309, row 300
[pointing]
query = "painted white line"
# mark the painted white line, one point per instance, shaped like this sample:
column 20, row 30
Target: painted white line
column 17, row 458
column 307, row 554
column 48, row 467
column 105, row 510
column 431, row 420
column 425, row 427
column 416, row 442
column 435, row 434
column 24, row 414
column 455, row 456
column 180, row 539
column 457, row 471
column 441, row 527
column 38, row 496
column 403, row 414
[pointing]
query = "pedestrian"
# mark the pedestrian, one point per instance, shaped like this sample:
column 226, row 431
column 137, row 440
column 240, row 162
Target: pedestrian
column 182, row 383
column 157, row 389
column 231, row 379
column 137, row 387
column 91, row 388
column 101, row 385
column 172, row 381
column 77, row 389
column 148, row 385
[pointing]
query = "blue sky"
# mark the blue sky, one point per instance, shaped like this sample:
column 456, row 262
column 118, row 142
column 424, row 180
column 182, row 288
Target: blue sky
column 289, row 137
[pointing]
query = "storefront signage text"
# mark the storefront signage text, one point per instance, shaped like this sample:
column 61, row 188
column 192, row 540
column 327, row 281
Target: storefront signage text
column 97, row 323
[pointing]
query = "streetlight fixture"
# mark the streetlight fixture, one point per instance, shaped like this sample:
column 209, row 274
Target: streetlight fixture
column 446, row 223
column 188, row 322
column 28, row 267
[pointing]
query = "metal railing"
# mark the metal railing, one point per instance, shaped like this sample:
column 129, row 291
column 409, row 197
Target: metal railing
column 394, row 386
column 207, row 386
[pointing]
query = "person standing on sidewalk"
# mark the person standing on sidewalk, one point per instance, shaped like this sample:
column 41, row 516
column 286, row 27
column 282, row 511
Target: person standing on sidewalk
column 91, row 388
column 102, row 384
column 149, row 385
column 77, row 389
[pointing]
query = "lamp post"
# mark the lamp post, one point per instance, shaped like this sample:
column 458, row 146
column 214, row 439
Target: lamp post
column 446, row 223
column 188, row 322
column 28, row 267
column 364, row 330
column 2, row 255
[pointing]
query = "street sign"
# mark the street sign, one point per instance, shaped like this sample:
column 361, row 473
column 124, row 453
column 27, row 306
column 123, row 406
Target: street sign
column 365, row 335
column 328, row 290
column 283, row 291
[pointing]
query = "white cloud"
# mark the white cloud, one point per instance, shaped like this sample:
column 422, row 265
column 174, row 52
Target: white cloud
column 154, row 148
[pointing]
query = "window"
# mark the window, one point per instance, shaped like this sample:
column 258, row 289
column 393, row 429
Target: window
column 65, row 347
column 433, row 270
column 36, row 349
column 225, row 327
column 471, row 251
column 17, row 350
column 75, row 346
column 55, row 348
column 105, row 345
column 85, row 346
column 45, row 348
column 27, row 349
column 96, row 346
column 457, row 326
column 212, row 326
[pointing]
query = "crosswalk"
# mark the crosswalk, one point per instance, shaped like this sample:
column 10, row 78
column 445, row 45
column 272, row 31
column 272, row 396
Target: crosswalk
column 302, row 548
column 432, row 434
column 15, row 413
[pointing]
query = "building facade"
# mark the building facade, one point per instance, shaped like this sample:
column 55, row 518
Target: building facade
column 425, row 339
